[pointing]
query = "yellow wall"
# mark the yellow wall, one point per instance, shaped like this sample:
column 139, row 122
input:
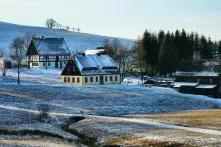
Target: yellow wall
column 83, row 81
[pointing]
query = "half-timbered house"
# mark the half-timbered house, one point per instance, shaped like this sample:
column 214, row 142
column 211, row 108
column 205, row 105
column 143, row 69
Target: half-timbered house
column 47, row 53
column 91, row 69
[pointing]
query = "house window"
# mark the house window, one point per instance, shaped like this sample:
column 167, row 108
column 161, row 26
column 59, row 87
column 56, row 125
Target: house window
column 111, row 78
column 116, row 78
column 73, row 80
column 96, row 79
column 44, row 64
column 211, row 81
column 78, row 80
column 65, row 80
column 35, row 64
column 91, row 79
column 86, row 80
column 49, row 63
column 68, row 79
column 105, row 78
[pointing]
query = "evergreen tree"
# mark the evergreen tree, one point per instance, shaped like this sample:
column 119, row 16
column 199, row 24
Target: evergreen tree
column 151, row 50
column 168, row 56
column 219, row 49
column 196, row 46
column 146, row 47
column 161, row 36
column 205, row 48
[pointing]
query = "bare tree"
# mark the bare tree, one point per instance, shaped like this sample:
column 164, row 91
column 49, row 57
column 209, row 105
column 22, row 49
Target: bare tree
column 139, row 55
column 2, row 64
column 17, row 53
column 28, row 38
column 2, row 52
column 50, row 23
column 78, row 29
column 124, row 56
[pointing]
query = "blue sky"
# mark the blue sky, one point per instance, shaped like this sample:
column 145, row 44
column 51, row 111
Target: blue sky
column 122, row 18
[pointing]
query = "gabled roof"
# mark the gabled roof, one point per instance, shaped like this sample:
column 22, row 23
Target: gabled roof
column 94, row 64
column 71, row 69
column 32, row 50
column 55, row 46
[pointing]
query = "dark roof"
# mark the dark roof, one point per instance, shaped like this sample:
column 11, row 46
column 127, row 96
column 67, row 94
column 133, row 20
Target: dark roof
column 93, row 65
column 71, row 69
column 32, row 49
column 54, row 46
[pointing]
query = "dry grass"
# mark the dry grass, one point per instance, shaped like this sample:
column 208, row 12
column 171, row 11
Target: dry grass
column 200, row 118
column 129, row 140
column 43, row 143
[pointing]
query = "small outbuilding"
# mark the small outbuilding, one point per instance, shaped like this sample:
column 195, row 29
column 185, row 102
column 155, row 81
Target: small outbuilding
column 91, row 69
column 5, row 62
column 202, row 83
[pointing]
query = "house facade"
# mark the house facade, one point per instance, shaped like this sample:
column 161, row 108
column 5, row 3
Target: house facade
column 47, row 53
column 91, row 70
column 202, row 83
column 5, row 62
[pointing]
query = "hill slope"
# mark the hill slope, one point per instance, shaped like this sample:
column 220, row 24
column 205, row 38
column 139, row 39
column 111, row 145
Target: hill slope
column 76, row 41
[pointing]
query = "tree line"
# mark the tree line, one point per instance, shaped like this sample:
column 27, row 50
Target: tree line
column 51, row 23
column 162, row 52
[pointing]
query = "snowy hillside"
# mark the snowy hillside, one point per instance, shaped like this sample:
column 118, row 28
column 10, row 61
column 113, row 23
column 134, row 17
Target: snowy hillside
column 76, row 41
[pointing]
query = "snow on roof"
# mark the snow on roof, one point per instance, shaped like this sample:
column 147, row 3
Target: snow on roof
column 51, row 45
column 197, row 74
column 179, row 84
column 95, row 64
column 204, row 86
column 94, row 51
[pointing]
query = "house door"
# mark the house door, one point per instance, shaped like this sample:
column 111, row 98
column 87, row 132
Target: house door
column 56, row 62
column 61, row 65
column 102, row 80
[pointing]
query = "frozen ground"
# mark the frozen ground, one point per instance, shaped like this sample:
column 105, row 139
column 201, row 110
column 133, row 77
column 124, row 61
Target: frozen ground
column 103, row 106
column 104, row 100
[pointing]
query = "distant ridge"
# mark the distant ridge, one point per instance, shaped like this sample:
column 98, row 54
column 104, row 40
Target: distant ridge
column 76, row 41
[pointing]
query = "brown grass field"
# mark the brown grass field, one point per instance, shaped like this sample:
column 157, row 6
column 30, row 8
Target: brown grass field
column 199, row 118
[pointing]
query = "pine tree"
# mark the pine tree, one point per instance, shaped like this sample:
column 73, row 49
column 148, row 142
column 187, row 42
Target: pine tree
column 219, row 49
column 168, row 56
column 146, row 47
column 205, row 48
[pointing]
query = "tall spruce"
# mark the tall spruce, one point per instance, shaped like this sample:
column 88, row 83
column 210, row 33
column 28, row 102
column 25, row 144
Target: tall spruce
column 205, row 48
column 168, row 56
column 219, row 49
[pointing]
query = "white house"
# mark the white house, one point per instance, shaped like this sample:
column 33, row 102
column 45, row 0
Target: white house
column 91, row 69
column 47, row 53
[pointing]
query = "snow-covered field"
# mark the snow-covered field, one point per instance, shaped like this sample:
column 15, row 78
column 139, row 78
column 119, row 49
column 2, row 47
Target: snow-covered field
column 103, row 105
column 44, row 86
